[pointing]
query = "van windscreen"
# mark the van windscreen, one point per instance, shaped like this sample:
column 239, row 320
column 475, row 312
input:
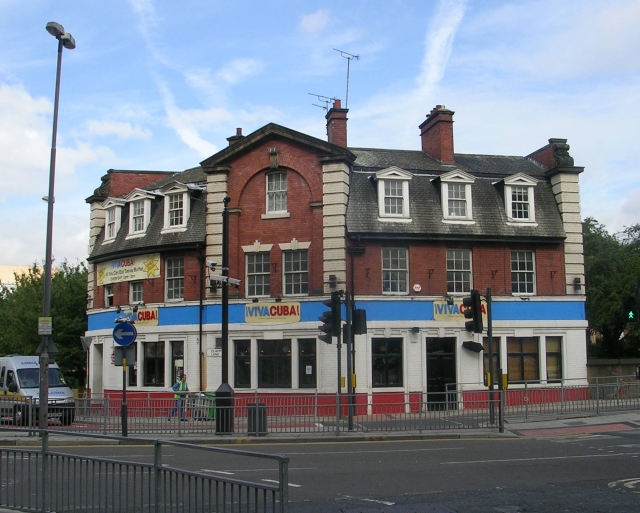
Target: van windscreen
column 30, row 378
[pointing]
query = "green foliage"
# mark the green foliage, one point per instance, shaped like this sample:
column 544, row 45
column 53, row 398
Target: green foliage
column 20, row 309
column 612, row 263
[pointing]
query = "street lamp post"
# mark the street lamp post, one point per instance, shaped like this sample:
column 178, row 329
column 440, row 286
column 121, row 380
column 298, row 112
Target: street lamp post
column 47, row 348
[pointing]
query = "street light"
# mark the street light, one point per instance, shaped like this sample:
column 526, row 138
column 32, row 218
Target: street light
column 47, row 347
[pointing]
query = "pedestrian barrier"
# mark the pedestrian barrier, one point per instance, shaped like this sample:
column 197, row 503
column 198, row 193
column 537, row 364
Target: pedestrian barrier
column 257, row 413
column 53, row 481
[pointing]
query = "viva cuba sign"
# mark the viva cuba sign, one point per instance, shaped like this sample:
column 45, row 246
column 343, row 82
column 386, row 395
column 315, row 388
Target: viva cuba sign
column 442, row 311
column 271, row 313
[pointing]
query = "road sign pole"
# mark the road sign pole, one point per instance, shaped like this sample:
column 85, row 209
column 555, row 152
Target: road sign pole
column 124, row 397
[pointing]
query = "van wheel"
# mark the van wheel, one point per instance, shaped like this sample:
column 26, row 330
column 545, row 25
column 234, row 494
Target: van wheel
column 67, row 417
column 20, row 416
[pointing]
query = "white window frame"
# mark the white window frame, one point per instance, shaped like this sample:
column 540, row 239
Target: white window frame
column 133, row 292
column 398, row 270
column 250, row 276
column 511, row 183
column 108, row 296
column 170, row 192
column 526, row 272
column 464, row 180
column 135, row 198
column 274, row 197
column 112, row 218
column 172, row 296
column 397, row 176
column 460, row 271
column 291, row 273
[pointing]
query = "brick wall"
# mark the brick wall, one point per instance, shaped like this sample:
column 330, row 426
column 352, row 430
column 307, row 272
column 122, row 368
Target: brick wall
column 154, row 290
column 491, row 267
column 123, row 182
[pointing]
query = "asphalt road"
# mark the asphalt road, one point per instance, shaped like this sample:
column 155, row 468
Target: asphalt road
column 597, row 473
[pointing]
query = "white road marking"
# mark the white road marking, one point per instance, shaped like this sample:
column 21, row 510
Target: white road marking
column 382, row 451
column 276, row 482
column 386, row 503
column 540, row 459
column 216, row 471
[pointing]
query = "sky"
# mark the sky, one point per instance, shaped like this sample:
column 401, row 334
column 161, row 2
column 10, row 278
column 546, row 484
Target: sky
column 158, row 85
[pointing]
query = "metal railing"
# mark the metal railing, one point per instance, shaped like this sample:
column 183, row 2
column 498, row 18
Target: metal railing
column 255, row 413
column 54, row 481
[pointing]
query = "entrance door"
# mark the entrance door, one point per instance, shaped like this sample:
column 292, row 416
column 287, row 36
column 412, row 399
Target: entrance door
column 441, row 373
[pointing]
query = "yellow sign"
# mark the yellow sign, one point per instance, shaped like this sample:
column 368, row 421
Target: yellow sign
column 271, row 313
column 139, row 267
column 147, row 317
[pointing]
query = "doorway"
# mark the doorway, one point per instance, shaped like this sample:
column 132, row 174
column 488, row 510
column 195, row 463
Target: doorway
column 441, row 373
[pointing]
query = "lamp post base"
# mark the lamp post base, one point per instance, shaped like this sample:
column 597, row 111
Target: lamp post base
column 225, row 411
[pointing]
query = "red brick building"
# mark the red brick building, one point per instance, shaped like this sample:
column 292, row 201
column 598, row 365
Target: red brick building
column 407, row 233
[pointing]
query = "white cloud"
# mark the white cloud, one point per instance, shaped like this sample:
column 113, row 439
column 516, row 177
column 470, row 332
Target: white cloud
column 439, row 42
column 25, row 139
column 315, row 22
column 239, row 69
column 119, row 129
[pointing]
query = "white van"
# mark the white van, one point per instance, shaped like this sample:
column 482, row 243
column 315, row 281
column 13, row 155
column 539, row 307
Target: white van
column 20, row 391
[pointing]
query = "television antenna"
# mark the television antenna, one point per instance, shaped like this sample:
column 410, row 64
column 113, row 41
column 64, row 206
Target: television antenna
column 325, row 99
column 349, row 58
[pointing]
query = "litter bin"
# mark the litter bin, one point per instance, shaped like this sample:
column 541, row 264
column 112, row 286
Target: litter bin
column 257, row 419
column 206, row 406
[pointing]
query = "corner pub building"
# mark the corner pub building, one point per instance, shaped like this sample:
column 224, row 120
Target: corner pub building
column 427, row 226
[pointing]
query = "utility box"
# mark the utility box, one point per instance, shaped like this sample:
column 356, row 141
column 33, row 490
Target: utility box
column 256, row 419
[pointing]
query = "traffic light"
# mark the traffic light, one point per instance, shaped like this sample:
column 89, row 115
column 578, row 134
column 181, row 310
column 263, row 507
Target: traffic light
column 473, row 310
column 331, row 319
column 630, row 309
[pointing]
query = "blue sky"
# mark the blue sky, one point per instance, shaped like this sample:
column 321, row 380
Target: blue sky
column 157, row 85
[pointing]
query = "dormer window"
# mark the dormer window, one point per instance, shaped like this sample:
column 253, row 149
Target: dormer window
column 456, row 196
column 176, row 208
column 139, row 212
column 113, row 218
column 393, row 194
column 519, row 199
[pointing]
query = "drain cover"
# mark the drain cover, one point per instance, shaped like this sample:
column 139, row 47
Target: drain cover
column 404, row 508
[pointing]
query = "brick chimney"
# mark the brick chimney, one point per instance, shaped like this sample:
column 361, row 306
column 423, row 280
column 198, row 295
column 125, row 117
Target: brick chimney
column 437, row 134
column 235, row 138
column 337, row 124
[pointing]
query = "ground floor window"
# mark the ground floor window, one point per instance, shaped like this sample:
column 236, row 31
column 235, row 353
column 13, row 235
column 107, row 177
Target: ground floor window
column 386, row 362
column 307, row 363
column 274, row 363
column 523, row 359
column 243, row 364
column 154, row 364
column 554, row 360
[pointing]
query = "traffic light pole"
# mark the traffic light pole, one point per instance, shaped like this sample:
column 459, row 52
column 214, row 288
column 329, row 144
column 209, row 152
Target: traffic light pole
column 348, row 335
column 491, row 374
column 339, row 346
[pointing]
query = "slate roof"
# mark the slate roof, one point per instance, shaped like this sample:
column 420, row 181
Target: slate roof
column 425, row 206
column 154, row 240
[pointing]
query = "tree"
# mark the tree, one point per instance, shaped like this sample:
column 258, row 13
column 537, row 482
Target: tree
column 21, row 307
column 612, row 263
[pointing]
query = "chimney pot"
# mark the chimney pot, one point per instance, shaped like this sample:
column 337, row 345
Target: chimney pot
column 235, row 138
column 337, row 124
column 436, row 133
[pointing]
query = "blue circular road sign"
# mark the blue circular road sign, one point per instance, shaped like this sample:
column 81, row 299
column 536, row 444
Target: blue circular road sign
column 124, row 334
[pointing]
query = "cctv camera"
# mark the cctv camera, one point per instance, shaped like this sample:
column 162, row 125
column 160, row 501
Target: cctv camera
column 211, row 265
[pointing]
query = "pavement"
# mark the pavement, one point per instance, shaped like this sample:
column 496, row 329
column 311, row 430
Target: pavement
column 538, row 426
